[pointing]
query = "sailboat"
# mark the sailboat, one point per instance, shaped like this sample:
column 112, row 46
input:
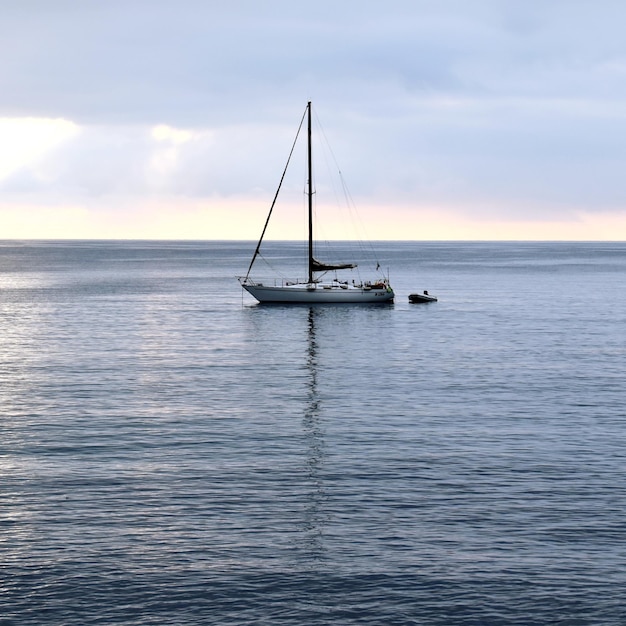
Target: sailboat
column 318, row 287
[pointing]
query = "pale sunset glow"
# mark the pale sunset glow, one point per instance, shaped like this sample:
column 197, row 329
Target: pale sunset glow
column 449, row 121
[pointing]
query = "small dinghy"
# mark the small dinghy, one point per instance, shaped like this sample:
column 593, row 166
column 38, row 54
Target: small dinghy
column 417, row 298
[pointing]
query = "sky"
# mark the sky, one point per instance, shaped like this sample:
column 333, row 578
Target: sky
column 449, row 119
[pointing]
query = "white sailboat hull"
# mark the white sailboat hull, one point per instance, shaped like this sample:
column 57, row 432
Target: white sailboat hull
column 318, row 294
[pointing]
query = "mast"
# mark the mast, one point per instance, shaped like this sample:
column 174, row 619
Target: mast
column 310, row 192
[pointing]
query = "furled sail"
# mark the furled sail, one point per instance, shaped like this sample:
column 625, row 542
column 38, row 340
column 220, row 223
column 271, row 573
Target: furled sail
column 318, row 266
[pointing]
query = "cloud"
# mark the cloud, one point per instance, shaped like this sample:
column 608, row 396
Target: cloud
column 497, row 110
column 193, row 61
column 27, row 140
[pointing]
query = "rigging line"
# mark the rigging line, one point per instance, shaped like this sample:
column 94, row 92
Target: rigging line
column 267, row 221
column 271, row 266
column 363, row 240
column 326, row 151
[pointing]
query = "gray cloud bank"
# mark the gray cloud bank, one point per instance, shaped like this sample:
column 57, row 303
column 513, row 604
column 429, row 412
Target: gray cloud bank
column 501, row 107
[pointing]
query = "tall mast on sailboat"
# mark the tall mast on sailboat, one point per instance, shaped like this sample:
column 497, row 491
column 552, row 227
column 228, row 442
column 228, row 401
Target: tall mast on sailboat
column 310, row 192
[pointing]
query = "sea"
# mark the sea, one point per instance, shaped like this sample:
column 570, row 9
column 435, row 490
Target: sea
column 172, row 453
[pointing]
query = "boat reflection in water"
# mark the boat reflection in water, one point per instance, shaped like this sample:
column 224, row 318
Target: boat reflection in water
column 314, row 514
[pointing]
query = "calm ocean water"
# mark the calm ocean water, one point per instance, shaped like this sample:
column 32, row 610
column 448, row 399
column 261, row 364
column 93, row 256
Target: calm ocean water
column 172, row 453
